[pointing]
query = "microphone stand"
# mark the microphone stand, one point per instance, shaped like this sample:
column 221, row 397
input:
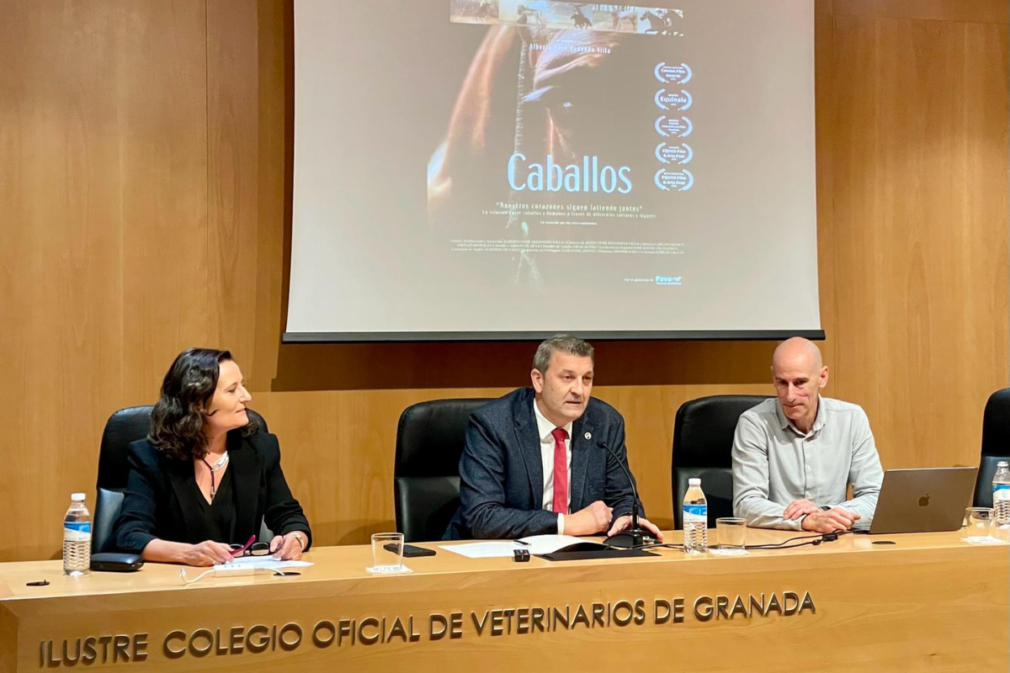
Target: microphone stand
column 634, row 535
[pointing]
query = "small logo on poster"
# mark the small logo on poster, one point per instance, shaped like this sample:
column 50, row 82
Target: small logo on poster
column 669, row 280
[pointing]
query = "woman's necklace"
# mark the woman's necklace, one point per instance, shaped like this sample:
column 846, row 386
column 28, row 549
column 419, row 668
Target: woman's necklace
column 219, row 463
column 214, row 469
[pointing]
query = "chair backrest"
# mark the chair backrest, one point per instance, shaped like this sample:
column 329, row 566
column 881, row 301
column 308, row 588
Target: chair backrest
column 429, row 443
column 107, row 508
column 702, row 447
column 123, row 427
column 995, row 444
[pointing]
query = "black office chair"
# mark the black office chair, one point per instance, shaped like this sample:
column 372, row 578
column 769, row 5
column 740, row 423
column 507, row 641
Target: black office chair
column 702, row 447
column 123, row 427
column 995, row 444
column 429, row 443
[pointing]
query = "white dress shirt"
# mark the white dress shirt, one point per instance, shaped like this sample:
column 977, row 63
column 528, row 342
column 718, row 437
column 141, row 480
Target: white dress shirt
column 544, row 429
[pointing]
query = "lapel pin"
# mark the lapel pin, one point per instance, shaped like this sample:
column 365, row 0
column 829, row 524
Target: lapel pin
column 589, row 435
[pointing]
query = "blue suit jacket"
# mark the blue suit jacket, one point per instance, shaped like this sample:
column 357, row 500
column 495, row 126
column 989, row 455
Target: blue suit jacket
column 501, row 471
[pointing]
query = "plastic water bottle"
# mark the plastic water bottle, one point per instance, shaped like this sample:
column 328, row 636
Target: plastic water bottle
column 1001, row 493
column 77, row 537
column 695, row 519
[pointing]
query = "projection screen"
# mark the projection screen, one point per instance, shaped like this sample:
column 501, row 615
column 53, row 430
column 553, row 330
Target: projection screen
column 492, row 169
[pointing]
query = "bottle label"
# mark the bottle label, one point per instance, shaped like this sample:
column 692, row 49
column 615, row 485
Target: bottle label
column 1000, row 492
column 695, row 513
column 77, row 531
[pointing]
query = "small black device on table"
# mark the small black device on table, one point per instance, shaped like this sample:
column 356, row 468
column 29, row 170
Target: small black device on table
column 112, row 562
column 409, row 550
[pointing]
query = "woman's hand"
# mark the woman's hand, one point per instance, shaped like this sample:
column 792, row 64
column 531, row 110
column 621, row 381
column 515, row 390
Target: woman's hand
column 288, row 547
column 206, row 554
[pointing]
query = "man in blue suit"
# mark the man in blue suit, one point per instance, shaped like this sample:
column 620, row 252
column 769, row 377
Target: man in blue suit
column 536, row 461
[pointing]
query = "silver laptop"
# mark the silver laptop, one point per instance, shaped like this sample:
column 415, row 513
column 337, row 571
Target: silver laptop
column 922, row 500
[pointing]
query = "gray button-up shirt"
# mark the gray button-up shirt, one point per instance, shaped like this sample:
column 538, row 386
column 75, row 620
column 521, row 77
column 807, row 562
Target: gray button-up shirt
column 775, row 464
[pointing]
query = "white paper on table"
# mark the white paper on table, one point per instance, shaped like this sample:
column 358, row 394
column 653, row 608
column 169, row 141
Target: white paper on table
column 535, row 544
column 250, row 563
column 403, row 570
column 483, row 549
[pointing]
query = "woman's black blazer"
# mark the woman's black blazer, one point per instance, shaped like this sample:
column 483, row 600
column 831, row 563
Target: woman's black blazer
column 159, row 501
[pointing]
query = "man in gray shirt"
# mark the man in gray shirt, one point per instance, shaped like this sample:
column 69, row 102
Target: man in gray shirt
column 794, row 457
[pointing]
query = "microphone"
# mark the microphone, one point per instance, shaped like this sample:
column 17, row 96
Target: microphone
column 634, row 535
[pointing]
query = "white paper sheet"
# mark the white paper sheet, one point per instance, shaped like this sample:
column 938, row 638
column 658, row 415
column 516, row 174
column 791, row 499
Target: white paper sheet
column 548, row 544
column 385, row 571
column 247, row 563
column 535, row 545
column 483, row 549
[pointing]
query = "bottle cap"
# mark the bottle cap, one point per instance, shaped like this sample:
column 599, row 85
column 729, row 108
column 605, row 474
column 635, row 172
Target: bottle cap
column 1002, row 463
column 694, row 482
column 77, row 497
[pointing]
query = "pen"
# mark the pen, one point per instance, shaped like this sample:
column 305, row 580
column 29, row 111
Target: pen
column 236, row 552
column 522, row 542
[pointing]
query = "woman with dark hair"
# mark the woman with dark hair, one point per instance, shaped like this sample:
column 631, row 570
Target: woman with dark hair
column 206, row 476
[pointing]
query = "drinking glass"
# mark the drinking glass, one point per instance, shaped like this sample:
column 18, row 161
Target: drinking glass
column 387, row 553
column 978, row 524
column 731, row 532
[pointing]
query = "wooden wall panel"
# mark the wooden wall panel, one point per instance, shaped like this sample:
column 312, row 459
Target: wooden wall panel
column 970, row 11
column 102, row 226
column 233, row 164
column 275, row 105
column 145, row 186
column 161, row 139
column 920, row 230
column 826, row 110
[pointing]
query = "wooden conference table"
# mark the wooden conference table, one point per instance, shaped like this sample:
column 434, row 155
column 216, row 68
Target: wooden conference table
column 928, row 602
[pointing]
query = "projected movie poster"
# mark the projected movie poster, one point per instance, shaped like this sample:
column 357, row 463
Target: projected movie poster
column 572, row 133
column 506, row 166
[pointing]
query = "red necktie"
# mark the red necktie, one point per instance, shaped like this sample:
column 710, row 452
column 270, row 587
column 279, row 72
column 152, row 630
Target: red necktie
column 560, row 471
